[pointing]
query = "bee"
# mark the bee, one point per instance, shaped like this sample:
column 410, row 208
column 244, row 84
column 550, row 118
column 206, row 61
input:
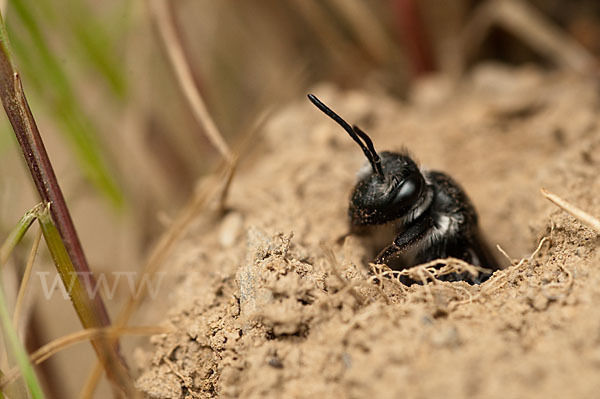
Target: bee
column 422, row 215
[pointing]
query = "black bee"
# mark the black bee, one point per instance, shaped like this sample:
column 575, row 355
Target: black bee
column 424, row 214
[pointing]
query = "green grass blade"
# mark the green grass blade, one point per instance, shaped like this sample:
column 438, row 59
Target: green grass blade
column 43, row 68
column 95, row 41
column 18, row 350
column 93, row 44
column 83, row 304
column 16, row 235
column 8, row 331
column 78, row 294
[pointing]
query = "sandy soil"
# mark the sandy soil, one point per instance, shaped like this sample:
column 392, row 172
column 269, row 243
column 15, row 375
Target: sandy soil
column 269, row 305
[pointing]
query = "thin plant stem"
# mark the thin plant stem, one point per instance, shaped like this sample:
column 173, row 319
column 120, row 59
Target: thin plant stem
column 82, row 302
column 164, row 20
column 16, row 235
column 366, row 28
column 91, row 309
column 574, row 211
column 17, row 349
column 36, row 157
column 25, row 279
column 9, row 330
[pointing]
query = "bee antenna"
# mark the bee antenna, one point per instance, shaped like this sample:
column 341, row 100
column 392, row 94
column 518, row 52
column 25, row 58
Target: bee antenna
column 355, row 133
column 375, row 158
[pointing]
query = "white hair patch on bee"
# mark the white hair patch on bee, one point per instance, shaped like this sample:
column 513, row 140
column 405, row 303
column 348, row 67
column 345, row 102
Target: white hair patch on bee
column 443, row 224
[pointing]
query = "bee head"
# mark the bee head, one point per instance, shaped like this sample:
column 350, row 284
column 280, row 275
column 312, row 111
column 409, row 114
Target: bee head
column 378, row 201
column 390, row 189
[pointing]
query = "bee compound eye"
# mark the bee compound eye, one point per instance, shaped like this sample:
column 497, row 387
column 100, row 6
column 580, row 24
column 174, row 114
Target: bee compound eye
column 408, row 192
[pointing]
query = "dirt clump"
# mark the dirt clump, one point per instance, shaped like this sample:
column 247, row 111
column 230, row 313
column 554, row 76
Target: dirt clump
column 271, row 305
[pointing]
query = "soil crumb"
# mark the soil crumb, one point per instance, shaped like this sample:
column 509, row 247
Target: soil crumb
column 269, row 304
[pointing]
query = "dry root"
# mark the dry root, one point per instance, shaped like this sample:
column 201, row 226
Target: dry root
column 426, row 272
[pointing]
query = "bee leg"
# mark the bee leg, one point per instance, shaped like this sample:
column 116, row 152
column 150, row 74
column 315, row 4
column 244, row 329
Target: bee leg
column 388, row 253
column 405, row 240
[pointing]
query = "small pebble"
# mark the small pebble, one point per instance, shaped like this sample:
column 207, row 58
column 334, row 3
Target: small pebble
column 230, row 229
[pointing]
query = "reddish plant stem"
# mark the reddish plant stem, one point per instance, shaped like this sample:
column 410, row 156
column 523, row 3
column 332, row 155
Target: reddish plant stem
column 41, row 170
column 414, row 35
column 29, row 138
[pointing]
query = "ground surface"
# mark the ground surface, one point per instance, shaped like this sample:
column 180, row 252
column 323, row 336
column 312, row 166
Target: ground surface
column 269, row 305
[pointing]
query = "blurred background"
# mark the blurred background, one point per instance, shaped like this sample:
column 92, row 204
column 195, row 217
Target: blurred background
column 126, row 146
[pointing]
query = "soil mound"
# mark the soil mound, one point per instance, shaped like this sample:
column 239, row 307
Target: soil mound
column 270, row 305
